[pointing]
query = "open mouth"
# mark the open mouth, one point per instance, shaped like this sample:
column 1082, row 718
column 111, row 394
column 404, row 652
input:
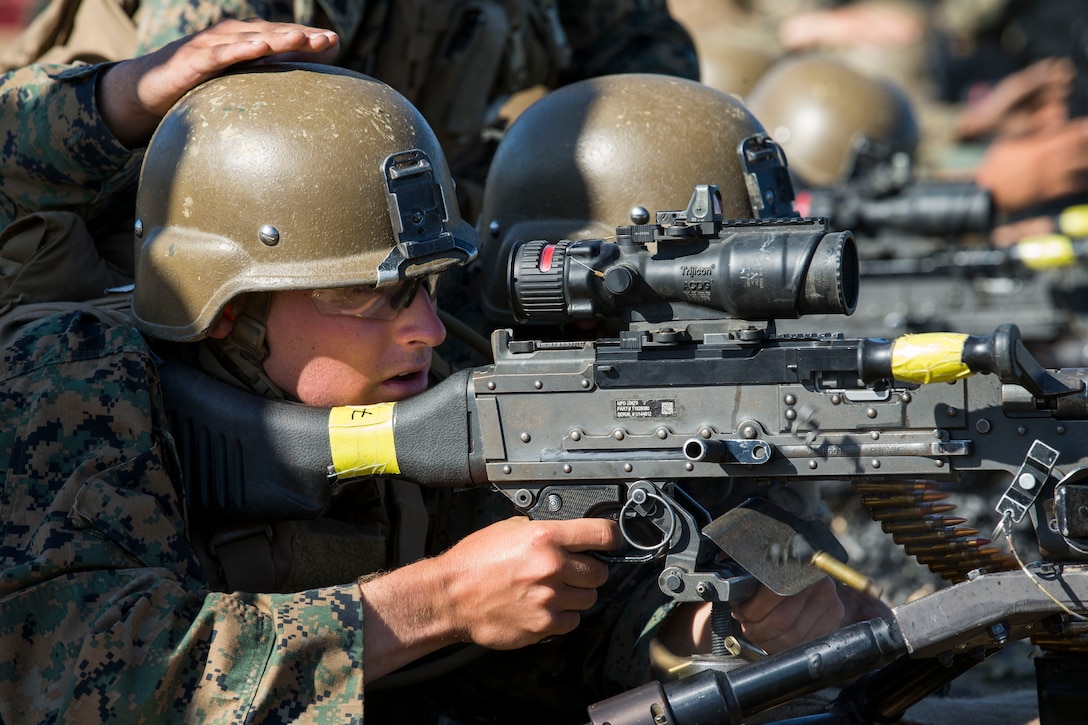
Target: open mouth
column 409, row 377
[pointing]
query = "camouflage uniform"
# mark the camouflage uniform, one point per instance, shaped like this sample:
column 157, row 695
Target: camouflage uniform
column 73, row 162
column 104, row 614
column 57, row 153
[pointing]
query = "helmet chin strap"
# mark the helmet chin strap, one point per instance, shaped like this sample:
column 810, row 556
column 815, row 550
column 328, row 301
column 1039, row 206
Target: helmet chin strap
column 239, row 356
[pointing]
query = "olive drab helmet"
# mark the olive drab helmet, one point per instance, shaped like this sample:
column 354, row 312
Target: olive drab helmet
column 595, row 154
column 834, row 122
column 287, row 177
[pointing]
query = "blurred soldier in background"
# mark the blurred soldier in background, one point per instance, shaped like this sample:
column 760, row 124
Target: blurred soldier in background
column 733, row 49
column 851, row 140
column 963, row 51
column 835, row 123
column 998, row 86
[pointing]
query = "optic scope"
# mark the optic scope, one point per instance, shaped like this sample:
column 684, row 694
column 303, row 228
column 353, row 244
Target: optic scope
column 689, row 265
column 929, row 209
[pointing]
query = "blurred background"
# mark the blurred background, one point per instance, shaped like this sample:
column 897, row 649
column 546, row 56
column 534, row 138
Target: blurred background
column 14, row 15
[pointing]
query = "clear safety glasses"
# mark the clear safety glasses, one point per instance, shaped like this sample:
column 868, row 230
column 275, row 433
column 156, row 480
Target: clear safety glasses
column 383, row 303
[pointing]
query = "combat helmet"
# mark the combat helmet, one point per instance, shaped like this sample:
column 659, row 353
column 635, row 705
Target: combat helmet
column 730, row 65
column 578, row 162
column 834, row 122
column 287, row 177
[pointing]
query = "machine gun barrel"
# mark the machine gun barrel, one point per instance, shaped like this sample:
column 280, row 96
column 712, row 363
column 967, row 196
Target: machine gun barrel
column 1029, row 255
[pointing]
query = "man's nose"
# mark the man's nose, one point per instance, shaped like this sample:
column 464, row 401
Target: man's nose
column 419, row 322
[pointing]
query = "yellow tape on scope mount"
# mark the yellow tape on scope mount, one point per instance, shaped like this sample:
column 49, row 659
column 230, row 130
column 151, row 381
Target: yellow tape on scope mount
column 929, row 357
column 1046, row 251
column 361, row 440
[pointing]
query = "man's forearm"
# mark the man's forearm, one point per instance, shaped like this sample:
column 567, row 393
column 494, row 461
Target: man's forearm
column 404, row 617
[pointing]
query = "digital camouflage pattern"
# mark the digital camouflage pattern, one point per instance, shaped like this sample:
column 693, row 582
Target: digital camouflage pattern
column 66, row 159
column 104, row 615
column 56, row 152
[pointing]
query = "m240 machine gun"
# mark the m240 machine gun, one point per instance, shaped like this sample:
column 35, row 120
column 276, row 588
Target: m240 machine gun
column 935, row 208
column 926, row 265
column 698, row 387
column 1037, row 284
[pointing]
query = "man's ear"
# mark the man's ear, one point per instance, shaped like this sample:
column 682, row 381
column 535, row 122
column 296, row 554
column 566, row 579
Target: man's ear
column 224, row 325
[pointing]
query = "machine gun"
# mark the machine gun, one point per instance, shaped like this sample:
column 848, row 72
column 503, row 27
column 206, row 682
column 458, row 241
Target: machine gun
column 699, row 387
column 910, row 237
column 930, row 208
column 926, row 264
column 971, row 289
column 925, row 279
column 1032, row 253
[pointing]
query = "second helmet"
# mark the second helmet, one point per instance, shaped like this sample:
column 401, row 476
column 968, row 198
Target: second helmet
column 834, row 122
column 575, row 163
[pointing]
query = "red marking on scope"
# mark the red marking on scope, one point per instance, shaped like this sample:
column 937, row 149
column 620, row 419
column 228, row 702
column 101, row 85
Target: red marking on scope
column 546, row 255
column 803, row 203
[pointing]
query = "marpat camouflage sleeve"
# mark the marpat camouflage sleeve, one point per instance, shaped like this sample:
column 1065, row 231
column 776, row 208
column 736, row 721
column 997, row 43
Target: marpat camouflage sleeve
column 55, row 151
column 103, row 612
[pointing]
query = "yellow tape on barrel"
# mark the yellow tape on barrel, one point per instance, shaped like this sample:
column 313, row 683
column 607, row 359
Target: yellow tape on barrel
column 361, row 440
column 1046, row 251
column 929, row 357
